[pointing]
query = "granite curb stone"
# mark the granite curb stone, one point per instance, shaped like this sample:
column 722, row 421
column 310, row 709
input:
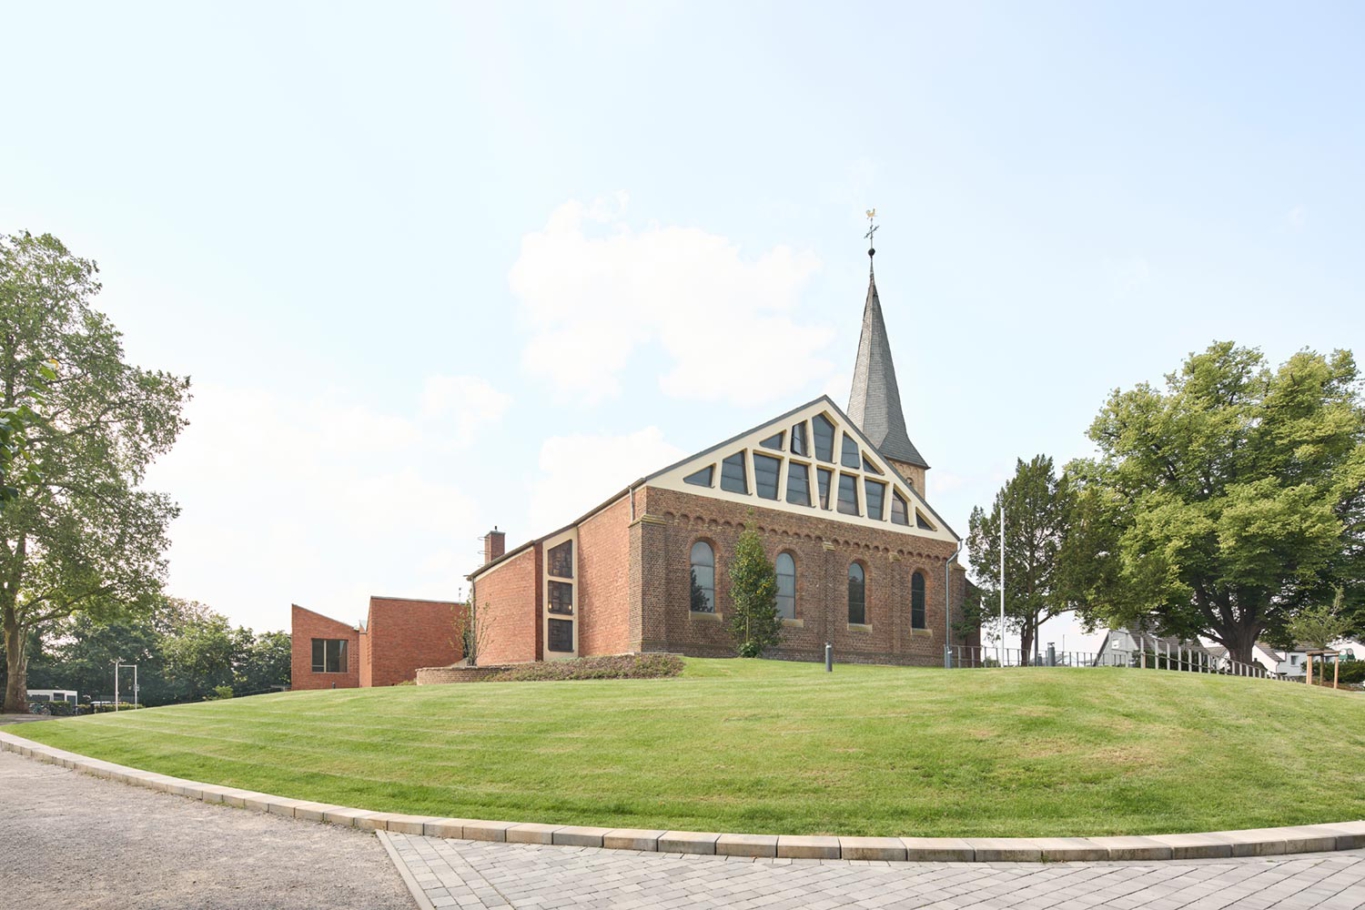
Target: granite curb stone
column 1348, row 835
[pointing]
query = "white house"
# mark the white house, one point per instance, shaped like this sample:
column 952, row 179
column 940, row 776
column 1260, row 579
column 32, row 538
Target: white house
column 1123, row 648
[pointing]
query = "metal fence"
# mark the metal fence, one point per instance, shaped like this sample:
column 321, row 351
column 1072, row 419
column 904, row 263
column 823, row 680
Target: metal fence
column 1186, row 660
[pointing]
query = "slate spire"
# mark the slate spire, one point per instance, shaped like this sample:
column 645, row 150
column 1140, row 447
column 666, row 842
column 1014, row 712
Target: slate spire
column 875, row 402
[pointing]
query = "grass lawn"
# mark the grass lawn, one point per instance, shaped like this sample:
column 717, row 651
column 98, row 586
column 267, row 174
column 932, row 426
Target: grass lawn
column 774, row 747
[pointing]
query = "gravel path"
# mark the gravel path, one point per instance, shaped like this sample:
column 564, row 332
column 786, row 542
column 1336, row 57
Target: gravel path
column 73, row 841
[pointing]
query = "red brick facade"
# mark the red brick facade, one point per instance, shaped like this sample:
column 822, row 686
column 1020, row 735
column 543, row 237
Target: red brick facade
column 306, row 626
column 399, row 637
column 506, row 602
column 634, row 585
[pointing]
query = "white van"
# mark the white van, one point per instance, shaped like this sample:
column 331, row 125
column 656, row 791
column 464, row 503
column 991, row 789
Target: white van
column 43, row 696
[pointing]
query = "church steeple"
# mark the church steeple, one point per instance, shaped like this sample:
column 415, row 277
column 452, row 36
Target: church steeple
column 875, row 402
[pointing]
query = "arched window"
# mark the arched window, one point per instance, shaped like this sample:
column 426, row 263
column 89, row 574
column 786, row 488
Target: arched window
column 703, row 578
column 917, row 601
column 857, row 603
column 786, row 586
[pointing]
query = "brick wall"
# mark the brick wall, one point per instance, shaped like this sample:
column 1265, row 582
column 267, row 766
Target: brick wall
column 406, row 634
column 661, row 544
column 507, row 605
column 604, row 591
column 305, row 625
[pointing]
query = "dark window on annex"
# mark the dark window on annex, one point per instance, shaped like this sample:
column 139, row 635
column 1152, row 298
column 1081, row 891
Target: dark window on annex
column 848, row 494
column 766, row 469
column 857, row 588
column 824, row 437
column 561, row 597
column 798, row 484
column 732, row 474
column 917, row 600
column 329, row 655
column 703, row 578
column 786, row 586
column 561, row 560
column 561, row 636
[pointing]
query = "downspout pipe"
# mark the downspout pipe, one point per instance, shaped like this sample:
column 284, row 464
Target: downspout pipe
column 948, row 608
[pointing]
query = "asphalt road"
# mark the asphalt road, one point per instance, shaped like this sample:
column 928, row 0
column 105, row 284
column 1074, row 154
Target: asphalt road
column 68, row 840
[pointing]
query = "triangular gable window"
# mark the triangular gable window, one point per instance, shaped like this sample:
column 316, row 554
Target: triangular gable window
column 922, row 522
column 703, row 478
column 773, row 442
column 869, row 466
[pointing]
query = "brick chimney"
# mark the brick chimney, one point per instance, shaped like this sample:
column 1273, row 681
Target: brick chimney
column 494, row 545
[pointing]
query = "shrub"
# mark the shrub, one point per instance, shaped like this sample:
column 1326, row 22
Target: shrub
column 1351, row 671
column 625, row 666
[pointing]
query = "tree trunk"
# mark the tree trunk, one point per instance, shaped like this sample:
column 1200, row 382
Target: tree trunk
column 1241, row 642
column 1026, row 636
column 16, row 664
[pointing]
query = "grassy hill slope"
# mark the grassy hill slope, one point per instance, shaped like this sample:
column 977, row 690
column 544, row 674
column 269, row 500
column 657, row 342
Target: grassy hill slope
column 773, row 747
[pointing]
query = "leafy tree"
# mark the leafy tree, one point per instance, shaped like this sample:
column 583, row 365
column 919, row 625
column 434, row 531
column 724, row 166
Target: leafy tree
column 755, row 624
column 1037, row 506
column 79, row 533
column 201, row 656
column 1226, row 503
column 1320, row 625
column 265, row 664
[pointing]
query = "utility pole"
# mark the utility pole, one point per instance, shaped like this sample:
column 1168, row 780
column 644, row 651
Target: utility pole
column 1002, row 581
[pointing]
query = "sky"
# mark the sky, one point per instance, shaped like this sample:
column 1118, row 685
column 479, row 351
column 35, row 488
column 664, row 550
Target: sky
column 438, row 267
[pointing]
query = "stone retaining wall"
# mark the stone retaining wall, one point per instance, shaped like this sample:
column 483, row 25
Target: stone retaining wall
column 440, row 676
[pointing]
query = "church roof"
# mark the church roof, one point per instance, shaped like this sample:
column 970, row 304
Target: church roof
column 875, row 402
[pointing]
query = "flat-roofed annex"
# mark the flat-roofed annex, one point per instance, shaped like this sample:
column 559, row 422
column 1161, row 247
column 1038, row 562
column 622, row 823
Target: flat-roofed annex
column 766, row 463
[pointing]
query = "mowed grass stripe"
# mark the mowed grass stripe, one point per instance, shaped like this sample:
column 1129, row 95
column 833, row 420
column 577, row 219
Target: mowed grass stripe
column 773, row 747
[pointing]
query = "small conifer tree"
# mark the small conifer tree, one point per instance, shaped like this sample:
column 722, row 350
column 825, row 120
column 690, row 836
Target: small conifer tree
column 755, row 624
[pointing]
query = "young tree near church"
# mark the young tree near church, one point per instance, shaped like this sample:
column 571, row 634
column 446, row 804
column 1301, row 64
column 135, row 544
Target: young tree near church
column 755, row 624
column 1037, row 506
column 1227, row 502
column 78, row 533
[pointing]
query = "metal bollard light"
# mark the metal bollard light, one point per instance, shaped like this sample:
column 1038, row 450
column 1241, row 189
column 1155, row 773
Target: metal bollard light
column 829, row 657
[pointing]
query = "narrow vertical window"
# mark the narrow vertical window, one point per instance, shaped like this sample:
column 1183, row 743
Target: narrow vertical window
column 799, row 439
column 786, row 586
column 824, row 475
column 766, row 470
column 850, row 457
column 561, row 560
column 703, row 578
column 733, row 477
column 798, row 483
column 857, row 589
column 876, row 493
column 824, row 437
column 917, row 601
column 848, row 494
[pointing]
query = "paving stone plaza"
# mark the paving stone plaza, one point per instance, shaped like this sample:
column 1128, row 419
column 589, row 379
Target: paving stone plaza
column 75, row 841
column 470, row 875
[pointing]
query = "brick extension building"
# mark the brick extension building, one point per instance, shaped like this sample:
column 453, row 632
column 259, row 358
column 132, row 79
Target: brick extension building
column 399, row 636
column 838, row 498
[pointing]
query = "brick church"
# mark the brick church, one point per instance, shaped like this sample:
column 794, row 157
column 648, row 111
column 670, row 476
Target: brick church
column 838, row 496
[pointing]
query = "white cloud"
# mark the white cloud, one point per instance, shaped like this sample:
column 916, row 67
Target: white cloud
column 1298, row 218
column 320, row 503
column 579, row 472
column 594, row 291
column 465, row 403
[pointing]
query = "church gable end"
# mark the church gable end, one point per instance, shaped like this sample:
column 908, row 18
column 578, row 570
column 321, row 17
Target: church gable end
column 812, row 461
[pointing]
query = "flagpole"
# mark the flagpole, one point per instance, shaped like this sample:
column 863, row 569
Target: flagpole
column 1002, row 582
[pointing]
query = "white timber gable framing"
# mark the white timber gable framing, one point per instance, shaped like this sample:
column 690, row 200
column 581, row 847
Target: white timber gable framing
column 810, row 461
